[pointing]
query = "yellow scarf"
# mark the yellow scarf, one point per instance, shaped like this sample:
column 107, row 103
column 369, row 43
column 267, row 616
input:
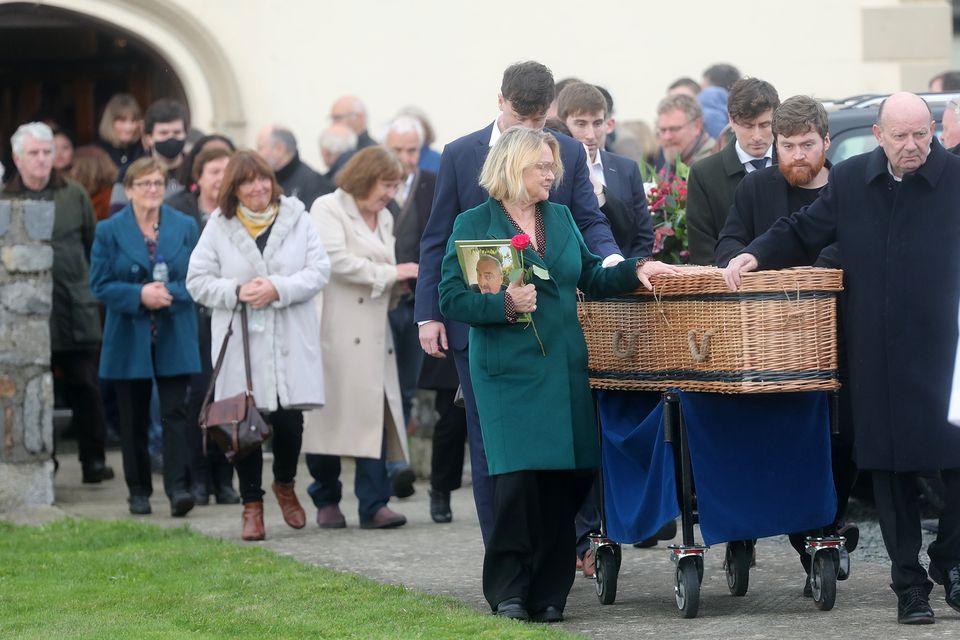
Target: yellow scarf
column 256, row 223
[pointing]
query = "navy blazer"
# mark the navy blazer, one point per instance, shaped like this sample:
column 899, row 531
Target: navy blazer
column 458, row 190
column 119, row 267
column 632, row 228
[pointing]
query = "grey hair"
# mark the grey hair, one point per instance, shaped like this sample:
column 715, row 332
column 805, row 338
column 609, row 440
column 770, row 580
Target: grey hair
column 338, row 141
column 284, row 137
column 36, row 130
column 405, row 124
column 955, row 103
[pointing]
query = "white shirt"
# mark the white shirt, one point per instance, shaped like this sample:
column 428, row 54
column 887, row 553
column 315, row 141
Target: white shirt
column 404, row 191
column 596, row 167
column 746, row 158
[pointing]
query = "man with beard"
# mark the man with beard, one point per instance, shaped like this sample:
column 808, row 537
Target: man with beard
column 714, row 180
column 763, row 197
column 884, row 208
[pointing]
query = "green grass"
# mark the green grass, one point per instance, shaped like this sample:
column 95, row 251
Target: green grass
column 121, row 579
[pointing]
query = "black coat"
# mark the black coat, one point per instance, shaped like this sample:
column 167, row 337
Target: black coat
column 300, row 181
column 899, row 252
column 626, row 206
column 760, row 200
column 710, row 188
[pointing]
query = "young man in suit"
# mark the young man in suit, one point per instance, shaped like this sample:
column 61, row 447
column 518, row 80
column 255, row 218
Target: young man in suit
column 802, row 139
column 713, row 180
column 525, row 96
column 616, row 180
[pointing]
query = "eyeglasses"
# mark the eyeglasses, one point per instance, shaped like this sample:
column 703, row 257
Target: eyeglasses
column 545, row 167
column 672, row 130
column 150, row 184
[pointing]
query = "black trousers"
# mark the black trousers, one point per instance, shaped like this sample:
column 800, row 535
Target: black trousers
column 898, row 509
column 530, row 551
column 133, row 407
column 211, row 471
column 287, row 425
column 844, row 476
column 449, row 439
column 81, row 385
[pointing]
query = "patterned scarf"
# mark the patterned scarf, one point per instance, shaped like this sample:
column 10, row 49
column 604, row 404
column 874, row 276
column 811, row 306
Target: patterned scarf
column 256, row 222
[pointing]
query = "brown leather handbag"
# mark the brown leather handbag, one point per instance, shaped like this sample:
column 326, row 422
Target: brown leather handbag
column 234, row 423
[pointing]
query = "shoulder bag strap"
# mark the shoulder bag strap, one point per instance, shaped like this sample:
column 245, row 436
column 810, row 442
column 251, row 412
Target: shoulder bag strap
column 246, row 349
column 223, row 352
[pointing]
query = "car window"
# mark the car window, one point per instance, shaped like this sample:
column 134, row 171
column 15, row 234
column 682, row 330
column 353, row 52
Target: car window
column 850, row 144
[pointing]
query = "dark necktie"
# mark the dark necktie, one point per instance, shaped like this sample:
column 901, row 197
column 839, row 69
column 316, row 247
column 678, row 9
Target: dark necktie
column 759, row 163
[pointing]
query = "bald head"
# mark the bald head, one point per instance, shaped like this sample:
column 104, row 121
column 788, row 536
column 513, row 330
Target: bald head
column 350, row 111
column 904, row 130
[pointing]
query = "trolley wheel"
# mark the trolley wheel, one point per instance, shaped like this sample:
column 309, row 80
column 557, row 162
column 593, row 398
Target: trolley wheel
column 823, row 580
column 687, row 588
column 608, row 569
column 737, row 565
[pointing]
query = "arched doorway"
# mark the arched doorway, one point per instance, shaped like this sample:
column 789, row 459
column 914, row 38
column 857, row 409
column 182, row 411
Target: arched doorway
column 65, row 58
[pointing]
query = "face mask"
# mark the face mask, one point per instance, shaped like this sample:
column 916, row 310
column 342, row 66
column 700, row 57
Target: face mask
column 169, row 148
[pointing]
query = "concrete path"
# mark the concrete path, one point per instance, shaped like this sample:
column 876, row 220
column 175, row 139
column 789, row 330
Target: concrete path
column 446, row 560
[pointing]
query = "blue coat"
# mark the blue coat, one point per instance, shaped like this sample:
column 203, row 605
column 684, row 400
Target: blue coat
column 459, row 190
column 901, row 278
column 119, row 267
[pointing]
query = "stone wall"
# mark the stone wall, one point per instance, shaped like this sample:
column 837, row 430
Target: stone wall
column 26, row 385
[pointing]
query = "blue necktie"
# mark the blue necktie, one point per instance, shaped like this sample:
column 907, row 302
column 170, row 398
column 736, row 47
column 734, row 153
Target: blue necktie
column 759, row 163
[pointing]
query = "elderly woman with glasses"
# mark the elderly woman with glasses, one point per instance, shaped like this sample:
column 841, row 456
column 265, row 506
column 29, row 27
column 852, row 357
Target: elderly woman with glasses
column 138, row 269
column 536, row 410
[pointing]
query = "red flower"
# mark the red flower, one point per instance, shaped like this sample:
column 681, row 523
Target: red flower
column 520, row 241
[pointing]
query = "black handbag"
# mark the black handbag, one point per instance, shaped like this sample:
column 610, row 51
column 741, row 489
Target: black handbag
column 234, row 423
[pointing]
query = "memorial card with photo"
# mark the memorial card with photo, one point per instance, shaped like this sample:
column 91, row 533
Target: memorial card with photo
column 489, row 266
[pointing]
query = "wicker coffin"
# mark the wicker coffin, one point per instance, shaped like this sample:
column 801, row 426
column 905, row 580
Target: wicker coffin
column 778, row 333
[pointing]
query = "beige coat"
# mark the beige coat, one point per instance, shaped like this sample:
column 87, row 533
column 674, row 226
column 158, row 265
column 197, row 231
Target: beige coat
column 359, row 362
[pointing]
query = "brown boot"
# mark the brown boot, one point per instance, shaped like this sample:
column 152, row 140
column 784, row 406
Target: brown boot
column 293, row 513
column 253, row 521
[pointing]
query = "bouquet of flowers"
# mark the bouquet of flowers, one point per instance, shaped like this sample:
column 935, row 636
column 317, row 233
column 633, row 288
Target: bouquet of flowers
column 667, row 201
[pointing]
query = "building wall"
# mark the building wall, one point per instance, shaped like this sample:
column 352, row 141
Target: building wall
column 289, row 59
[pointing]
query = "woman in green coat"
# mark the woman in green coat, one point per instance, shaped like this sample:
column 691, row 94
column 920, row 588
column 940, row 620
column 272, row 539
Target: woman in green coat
column 536, row 410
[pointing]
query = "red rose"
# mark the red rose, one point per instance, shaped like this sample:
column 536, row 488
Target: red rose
column 520, row 241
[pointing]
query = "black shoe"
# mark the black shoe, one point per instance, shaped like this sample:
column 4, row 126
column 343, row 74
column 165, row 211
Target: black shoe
column 97, row 472
column 402, row 482
column 440, row 506
column 950, row 582
column 548, row 615
column 201, row 497
column 226, row 495
column 807, row 589
column 512, row 608
column 667, row 531
column 139, row 505
column 852, row 534
column 181, row 502
column 913, row 607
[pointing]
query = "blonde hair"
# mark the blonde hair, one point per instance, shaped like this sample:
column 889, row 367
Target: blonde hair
column 121, row 105
column 517, row 149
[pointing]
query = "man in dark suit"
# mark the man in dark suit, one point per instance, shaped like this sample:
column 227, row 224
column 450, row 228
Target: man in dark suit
column 525, row 95
column 278, row 146
column 616, row 180
column 763, row 197
column 885, row 208
column 411, row 209
column 713, row 180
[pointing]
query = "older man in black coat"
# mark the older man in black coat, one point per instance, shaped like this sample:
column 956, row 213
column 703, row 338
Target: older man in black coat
column 895, row 215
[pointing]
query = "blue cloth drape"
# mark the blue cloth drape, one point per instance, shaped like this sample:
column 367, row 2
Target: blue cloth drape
column 761, row 464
